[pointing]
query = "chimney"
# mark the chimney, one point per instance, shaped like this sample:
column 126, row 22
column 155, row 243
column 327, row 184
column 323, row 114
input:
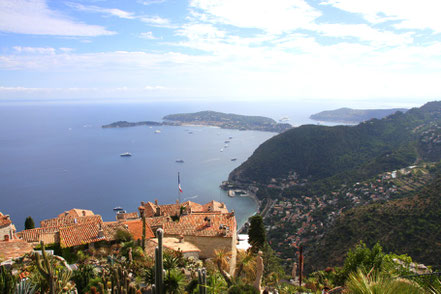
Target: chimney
column 222, row 205
column 158, row 211
column 141, row 210
column 156, row 201
column 232, row 212
column 181, row 238
column 6, row 238
column 84, row 213
column 142, row 203
column 100, row 232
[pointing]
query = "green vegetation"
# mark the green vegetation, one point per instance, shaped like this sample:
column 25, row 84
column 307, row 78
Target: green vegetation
column 256, row 233
column 407, row 225
column 327, row 156
column 348, row 115
column 228, row 121
column 29, row 223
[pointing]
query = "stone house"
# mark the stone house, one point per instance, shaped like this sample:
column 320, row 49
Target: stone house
column 7, row 228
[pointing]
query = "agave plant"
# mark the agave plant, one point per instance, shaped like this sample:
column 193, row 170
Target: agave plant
column 379, row 283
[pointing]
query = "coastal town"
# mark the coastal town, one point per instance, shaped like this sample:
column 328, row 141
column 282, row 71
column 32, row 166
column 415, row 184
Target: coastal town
column 294, row 221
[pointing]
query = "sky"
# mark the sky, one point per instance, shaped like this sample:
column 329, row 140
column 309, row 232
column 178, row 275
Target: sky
column 220, row 49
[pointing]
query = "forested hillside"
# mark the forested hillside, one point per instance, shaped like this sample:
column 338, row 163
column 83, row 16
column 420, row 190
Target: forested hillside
column 347, row 153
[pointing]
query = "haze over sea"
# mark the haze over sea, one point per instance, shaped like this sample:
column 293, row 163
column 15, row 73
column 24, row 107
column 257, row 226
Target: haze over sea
column 56, row 156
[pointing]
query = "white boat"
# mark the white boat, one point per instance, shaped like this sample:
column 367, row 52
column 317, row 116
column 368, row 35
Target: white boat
column 231, row 193
column 222, row 150
column 125, row 154
column 118, row 208
column 157, row 131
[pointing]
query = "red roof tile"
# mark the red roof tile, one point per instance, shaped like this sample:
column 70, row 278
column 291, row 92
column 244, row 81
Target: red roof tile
column 68, row 220
column 48, row 235
column 127, row 216
column 221, row 224
column 14, row 248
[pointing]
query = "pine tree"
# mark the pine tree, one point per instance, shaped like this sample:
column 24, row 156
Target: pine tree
column 29, row 223
column 256, row 233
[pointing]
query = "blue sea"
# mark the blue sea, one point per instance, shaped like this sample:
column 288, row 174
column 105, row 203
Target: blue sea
column 56, row 156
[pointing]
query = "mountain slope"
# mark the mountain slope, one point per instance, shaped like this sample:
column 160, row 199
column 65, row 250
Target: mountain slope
column 347, row 152
column 410, row 225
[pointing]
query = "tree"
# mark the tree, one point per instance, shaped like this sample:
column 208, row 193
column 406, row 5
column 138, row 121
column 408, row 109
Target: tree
column 256, row 233
column 29, row 223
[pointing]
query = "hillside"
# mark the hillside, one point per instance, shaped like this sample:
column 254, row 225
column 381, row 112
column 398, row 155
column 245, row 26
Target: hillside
column 347, row 153
column 228, row 121
column 411, row 225
column 353, row 116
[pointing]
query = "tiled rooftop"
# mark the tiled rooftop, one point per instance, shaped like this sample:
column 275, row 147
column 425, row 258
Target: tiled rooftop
column 48, row 235
column 189, row 207
column 81, row 234
column 14, row 248
column 127, row 216
column 197, row 224
column 64, row 220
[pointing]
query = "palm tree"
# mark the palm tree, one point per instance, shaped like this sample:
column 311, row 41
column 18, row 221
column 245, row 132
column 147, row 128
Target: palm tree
column 221, row 259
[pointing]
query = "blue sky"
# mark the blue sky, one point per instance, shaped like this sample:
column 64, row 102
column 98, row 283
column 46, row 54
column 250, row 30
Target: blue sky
column 220, row 49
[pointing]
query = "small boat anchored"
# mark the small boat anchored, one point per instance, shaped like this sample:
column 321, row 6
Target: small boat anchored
column 125, row 154
column 179, row 160
column 233, row 159
column 118, row 208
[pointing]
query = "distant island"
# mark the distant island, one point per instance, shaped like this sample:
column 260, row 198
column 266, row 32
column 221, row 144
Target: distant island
column 353, row 116
column 212, row 118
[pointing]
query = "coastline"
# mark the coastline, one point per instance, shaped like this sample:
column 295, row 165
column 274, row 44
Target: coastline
column 244, row 226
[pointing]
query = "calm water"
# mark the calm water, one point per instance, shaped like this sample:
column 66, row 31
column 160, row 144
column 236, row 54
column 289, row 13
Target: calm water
column 57, row 157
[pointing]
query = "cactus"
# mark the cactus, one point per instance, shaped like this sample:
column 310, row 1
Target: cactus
column 25, row 287
column 259, row 272
column 202, row 281
column 159, row 265
column 45, row 269
column 120, row 282
column 143, row 229
column 7, row 281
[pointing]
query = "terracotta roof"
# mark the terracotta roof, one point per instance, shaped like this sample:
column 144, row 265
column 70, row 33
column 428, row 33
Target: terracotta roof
column 81, row 234
column 75, row 212
column 68, row 220
column 127, row 216
column 190, row 207
column 215, row 206
column 4, row 220
column 197, row 224
column 14, row 248
column 174, row 244
column 133, row 226
column 48, row 235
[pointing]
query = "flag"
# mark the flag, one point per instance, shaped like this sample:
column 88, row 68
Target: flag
column 179, row 184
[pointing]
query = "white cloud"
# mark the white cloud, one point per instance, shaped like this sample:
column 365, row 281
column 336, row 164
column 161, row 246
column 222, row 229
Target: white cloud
column 270, row 16
column 34, row 50
column 422, row 14
column 147, row 35
column 150, row 2
column 157, row 21
column 35, row 17
column 108, row 11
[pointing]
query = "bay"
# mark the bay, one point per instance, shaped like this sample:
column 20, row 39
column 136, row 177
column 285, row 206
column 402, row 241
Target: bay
column 55, row 157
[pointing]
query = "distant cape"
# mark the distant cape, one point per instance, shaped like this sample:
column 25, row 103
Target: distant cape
column 353, row 116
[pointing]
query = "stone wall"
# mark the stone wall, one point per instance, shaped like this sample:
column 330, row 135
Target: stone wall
column 207, row 245
column 7, row 230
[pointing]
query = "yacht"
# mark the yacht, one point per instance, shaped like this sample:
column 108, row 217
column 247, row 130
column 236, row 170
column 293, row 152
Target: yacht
column 118, row 208
column 157, row 131
column 125, row 154
column 179, row 160
column 233, row 159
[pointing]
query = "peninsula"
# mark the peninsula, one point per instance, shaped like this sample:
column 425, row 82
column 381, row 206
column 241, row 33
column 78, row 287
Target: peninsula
column 212, row 118
column 353, row 116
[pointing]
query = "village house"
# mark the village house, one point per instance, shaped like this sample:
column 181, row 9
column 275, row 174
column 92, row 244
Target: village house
column 208, row 227
column 78, row 227
column 10, row 246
